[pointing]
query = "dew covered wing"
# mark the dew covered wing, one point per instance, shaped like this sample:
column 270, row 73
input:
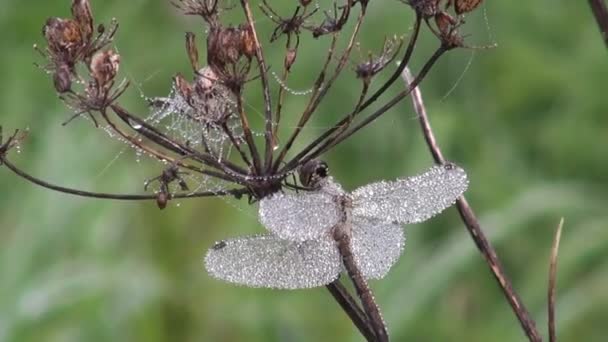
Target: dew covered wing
column 411, row 200
column 376, row 246
column 299, row 217
column 267, row 261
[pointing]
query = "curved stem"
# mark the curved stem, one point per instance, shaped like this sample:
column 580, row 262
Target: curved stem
column 336, row 140
column 266, row 89
column 124, row 197
column 352, row 309
column 551, row 293
column 600, row 12
column 473, row 226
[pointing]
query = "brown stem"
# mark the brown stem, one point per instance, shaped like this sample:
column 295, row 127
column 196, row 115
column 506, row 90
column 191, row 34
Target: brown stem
column 598, row 7
column 370, row 118
column 352, row 309
column 472, row 224
column 151, row 133
column 405, row 60
column 265, row 86
column 307, row 111
column 324, row 88
column 553, row 283
column 123, row 197
column 248, row 135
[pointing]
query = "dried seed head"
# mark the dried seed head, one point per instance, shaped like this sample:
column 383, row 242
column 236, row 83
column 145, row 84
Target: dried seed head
column 64, row 38
column 448, row 33
column 62, row 78
column 81, row 11
column 247, row 42
column 426, row 8
column 305, row 2
column 228, row 45
column 161, row 200
column 290, row 58
column 375, row 64
column 183, row 87
column 104, row 67
column 464, row 6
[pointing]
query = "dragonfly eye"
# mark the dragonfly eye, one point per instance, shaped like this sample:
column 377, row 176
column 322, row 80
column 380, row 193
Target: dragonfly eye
column 322, row 170
column 313, row 172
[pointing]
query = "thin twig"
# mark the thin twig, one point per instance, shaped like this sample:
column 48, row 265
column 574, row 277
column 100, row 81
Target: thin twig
column 265, row 86
column 352, row 309
column 600, row 12
column 248, row 135
column 472, row 224
column 123, row 197
column 333, row 141
column 553, row 282
column 358, row 108
column 318, row 96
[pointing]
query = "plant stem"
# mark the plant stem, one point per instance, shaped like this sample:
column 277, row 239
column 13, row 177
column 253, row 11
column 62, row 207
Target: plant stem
column 598, row 7
column 472, row 223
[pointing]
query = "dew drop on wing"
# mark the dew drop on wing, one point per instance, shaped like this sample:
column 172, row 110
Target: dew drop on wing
column 270, row 262
column 413, row 199
column 298, row 217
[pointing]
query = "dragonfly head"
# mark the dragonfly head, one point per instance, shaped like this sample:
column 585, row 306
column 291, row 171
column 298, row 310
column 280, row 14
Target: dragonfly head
column 313, row 172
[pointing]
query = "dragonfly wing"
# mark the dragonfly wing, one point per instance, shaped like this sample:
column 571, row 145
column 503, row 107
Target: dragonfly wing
column 414, row 199
column 299, row 217
column 267, row 261
column 376, row 246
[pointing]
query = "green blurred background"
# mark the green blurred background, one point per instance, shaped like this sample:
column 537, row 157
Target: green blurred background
column 528, row 121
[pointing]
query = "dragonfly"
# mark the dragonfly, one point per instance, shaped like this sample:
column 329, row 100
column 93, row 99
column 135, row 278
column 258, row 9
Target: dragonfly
column 315, row 235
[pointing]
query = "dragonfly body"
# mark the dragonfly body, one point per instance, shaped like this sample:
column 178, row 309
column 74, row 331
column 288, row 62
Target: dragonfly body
column 342, row 234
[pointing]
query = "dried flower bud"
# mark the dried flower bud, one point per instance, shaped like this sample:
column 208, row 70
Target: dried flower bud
column 464, row 6
column 64, row 38
column 375, row 64
column 247, row 42
column 290, row 58
column 183, row 88
column 81, row 11
column 228, row 45
column 206, row 79
column 444, row 22
column 62, row 78
column 192, row 50
column 104, row 67
column 161, row 200
column 305, row 2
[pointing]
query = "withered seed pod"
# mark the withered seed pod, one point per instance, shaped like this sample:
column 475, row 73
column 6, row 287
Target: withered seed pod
column 104, row 66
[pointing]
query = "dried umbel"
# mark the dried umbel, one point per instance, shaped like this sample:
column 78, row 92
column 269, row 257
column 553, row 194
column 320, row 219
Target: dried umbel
column 209, row 99
column 104, row 67
column 446, row 24
column 205, row 118
column 205, row 133
column 229, row 54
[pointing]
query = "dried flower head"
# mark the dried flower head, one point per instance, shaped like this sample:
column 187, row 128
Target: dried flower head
column 375, row 64
column 104, row 67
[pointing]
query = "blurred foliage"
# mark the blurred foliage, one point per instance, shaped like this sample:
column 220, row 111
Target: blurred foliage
column 528, row 120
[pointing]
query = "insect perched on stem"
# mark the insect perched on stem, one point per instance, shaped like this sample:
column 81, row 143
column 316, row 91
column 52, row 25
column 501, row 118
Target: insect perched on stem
column 316, row 234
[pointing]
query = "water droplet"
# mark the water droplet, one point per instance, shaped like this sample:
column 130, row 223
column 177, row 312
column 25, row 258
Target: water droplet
column 135, row 124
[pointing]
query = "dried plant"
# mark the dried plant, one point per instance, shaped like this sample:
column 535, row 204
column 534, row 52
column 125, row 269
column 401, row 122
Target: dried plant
column 196, row 128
